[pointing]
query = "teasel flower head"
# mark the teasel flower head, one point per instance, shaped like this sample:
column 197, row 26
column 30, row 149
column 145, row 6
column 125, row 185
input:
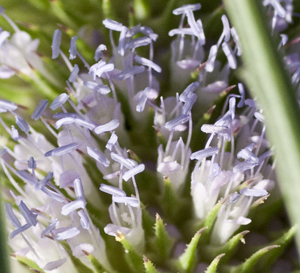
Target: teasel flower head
column 111, row 152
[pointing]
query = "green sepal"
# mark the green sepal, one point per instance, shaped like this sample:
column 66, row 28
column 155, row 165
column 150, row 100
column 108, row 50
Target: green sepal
column 169, row 201
column 249, row 264
column 149, row 267
column 229, row 247
column 163, row 242
column 271, row 257
column 81, row 267
column 187, row 260
column 210, row 219
column 212, row 268
column 147, row 221
column 134, row 260
column 29, row 263
column 98, row 267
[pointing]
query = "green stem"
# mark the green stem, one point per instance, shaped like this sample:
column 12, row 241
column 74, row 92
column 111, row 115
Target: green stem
column 270, row 83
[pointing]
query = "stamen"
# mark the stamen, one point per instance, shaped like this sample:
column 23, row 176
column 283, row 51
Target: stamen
column 112, row 190
column 67, row 233
column 56, row 43
column 100, row 88
column 134, row 171
column 113, row 25
column 147, row 62
column 98, row 156
column 39, row 109
column 22, row 124
column 130, row 71
column 200, row 155
column 110, row 126
column 65, row 149
column 131, row 201
column 74, row 73
column 73, row 50
column 7, row 105
column 59, row 101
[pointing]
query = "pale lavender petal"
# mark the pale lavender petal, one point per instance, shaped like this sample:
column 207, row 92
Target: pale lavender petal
column 131, row 201
column 98, row 156
column 110, row 126
column 134, row 171
column 59, row 101
column 62, row 150
column 226, row 28
column 39, row 109
column 112, row 190
column 56, row 43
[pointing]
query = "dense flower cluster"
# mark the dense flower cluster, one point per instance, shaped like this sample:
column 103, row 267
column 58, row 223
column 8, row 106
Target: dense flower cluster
column 56, row 207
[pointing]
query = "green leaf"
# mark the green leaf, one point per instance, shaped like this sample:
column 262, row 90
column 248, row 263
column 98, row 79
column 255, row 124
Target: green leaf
column 249, row 264
column 99, row 268
column 214, row 264
column 149, row 267
column 163, row 243
column 187, row 260
column 269, row 82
